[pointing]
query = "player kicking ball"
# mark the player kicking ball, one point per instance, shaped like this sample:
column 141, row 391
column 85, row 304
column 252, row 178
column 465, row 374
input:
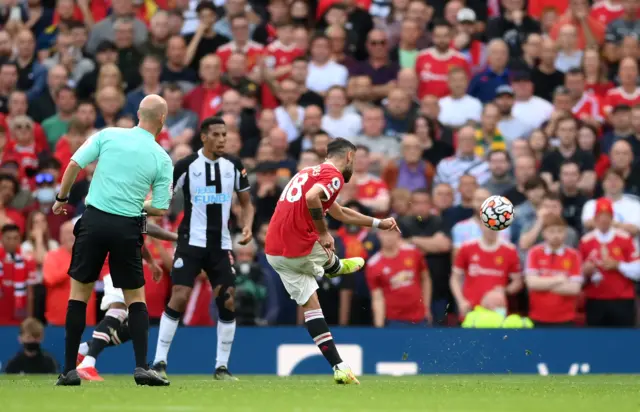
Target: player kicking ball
column 113, row 330
column 299, row 247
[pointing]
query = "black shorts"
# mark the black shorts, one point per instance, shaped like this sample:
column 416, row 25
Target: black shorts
column 99, row 233
column 189, row 261
column 611, row 313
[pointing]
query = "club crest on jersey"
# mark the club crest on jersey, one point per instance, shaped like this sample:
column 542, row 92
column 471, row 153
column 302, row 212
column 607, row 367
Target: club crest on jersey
column 616, row 251
column 408, row 262
column 335, row 182
column 499, row 260
column 566, row 263
column 178, row 263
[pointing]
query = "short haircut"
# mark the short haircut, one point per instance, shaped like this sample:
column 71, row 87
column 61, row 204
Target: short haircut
column 569, row 118
column 73, row 24
column 210, row 121
column 552, row 196
column 238, row 16
column 339, row 147
column 49, row 163
column 535, row 183
column 33, row 327
column 87, row 102
column 570, row 163
column 421, row 191
column 10, row 227
column 363, row 147
column 621, row 108
column 499, row 151
column 441, row 23
column 613, row 172
column 206, row 5
column 76, row 126
column 172, row 87
column 62, row 89
column 318, row 36
column 151, row 57
column 553, row 220
column 575, row 71
column 13, row 180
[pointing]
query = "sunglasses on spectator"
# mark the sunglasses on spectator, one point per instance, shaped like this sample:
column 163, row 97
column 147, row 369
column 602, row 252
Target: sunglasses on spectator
column 21, row 126
column 44, row 178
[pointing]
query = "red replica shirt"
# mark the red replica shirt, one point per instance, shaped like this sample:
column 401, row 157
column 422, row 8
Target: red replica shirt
column 485, row 268
column 26, row 157
column 400, row 278
column 277, row 55
column 252, row 50
column 157, row 293
column 433, row 69
column 618, row 96
column 606, row 11
column 371, row 187
column 588, row 106
column 16, row 273
column 205, row 101
column 600, row 90
column 546, row 306
column 292, row 232
column 609, row 284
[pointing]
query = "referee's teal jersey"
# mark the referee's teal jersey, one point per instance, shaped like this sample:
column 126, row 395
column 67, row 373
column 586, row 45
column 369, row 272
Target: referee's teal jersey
column 130, row 163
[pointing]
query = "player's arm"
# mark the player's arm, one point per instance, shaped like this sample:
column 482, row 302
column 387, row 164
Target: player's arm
column 146, row 255
column 348, row 216
column 247, row 216
column 157, row 232
column 161, row 188
column 314, row 198
column 377, row 307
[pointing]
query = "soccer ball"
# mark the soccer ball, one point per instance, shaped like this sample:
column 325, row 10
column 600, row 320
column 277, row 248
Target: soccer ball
column 497, row 213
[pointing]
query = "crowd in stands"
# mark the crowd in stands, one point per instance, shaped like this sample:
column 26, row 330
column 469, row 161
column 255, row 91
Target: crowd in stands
column 448, row 102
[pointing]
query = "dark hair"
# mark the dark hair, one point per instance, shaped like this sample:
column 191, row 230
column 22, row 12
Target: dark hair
column 441, row 23
column 621, row 108
column 612, row 172
column 29, row 227
column 339, row 147
column 152, row 57
column 206, row 5
column 10, row 227
column 504, row 152
column 62, row 89
column 535, row 183
column 575, row 71
column 171, row 87
column 13, row 180
column 49, row 163
column 300, row 59
column 316, row 37
column 284, row 23
column 86, row 102
column 73, row 24
column 431, row 125
column 596, row 150
column 7, row 63
column 210, row 121
column 570, row 162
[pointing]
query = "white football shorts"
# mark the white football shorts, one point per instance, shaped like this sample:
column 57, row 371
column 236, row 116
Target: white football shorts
column 299, row 274
column 111, row 294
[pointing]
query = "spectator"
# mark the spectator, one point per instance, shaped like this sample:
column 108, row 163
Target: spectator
column 111, row 102
column 595, row 72
column 129, row 57
column 621, row 127
column 18, row 278
column 9, row 192
column 464, row 210
column 266, row 191
column 500, row 166
column 18, row 106
column 431, row 236
column 206, row 99
column 531, row 50
column 381, row 146
column 311, row 123
column 38, row 240
column 510, row 127
column 237, row 79
column 553, row 275
column 175, row 69
column 410, row 172
column 588, row 142
column 372, row 192
column 483, row 265
column 545, row 77
column 483, row 85
column 400, row 284
column 44, row 106
column 71, row 58
column 278, row 141
column 397, row 111
column 150, row 71
column 589, row 31
column 584, row 105
column 341, row 42
column 465, row 161
column 378, row 67
column 109, row 75
column 231, row 9
column 44, row 195
column 628, row 92
column 471, row 228
column 621, row 156
column 22, row 149
column 57, row 281
column 433, row 149
column 156, row 43
column 430, row 109
column 529, row 109
column 32, row 359
column 8, row 83
column 611, row 267
column 625, row 23
column 181, row 124
column 32, row 76
column 289, row 115
column 568, row 149
column 107, row 28
column 488, row 136
column 206, row 39
column 459, row 108
column 57, row 125
column 323, row 73
column 569, row 55
column 467, row 40
column 106, row 53
column 359, row 91
column 6, row 46
column 572, row 199
column 308, row 158
column 251, row 291
column 626, row 216
column 513, row 26
column 434, row 63
column 406, row 52
column 336, row 121
column 535, row 190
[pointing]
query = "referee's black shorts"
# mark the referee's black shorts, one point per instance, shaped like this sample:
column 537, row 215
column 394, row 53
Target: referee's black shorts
column 99, row 234
column 189, row 261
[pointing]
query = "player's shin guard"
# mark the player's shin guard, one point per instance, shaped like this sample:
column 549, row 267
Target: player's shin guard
column 139, row 328
column 103, row 335
column 74, row 326
column 226, row 331
column 333, row 266
column 319, row 331
column 168, row 326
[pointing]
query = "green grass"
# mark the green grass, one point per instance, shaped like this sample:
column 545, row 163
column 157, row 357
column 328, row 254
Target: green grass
column 318, row 393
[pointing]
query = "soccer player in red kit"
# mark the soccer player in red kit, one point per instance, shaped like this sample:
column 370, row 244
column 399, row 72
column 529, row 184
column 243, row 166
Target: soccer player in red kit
column 553, row 275
column 611, row 266
column 482, row 265
column 433, row 64
column 400, row 283
column 299, row 246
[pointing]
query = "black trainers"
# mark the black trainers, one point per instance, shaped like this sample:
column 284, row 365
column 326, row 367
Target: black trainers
column 223, row 374
column 149, row 377
column 71, row 378
column 161, row 368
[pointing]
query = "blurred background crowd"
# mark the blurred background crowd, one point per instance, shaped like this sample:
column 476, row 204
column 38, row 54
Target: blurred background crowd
column 449, row 102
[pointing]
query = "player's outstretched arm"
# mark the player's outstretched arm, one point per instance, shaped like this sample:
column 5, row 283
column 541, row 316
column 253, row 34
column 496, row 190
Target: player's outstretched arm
column 157, row 232
column 351, row 217
column 248, row 214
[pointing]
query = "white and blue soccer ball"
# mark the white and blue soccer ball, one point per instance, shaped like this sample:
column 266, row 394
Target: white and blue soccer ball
column 497, row 213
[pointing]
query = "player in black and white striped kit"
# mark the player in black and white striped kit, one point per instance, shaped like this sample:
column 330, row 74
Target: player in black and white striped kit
column 208, row 180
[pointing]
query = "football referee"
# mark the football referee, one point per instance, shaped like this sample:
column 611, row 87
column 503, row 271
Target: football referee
column 129, row 163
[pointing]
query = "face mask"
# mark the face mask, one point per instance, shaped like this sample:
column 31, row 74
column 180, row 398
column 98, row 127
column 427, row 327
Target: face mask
column 501, row 311
column 46, row 195
column 32, row 346
column 244, row 268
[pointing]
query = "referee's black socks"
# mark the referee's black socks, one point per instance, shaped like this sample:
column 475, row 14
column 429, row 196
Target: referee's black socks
column 74, row 326
column 139, row 330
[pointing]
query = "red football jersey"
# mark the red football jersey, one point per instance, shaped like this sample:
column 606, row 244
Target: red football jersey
column 252, row 50
column 400, row 278
column 588, row 106
column 16, row 274
column 609, row 284
column 485, row 268
column 546, row 306
column 606, row 12
column 26, row 157
column 618, row 96
column 277, row 55
column 292, row 232
column 371, row 187
column 599, row 89
column 433, row 69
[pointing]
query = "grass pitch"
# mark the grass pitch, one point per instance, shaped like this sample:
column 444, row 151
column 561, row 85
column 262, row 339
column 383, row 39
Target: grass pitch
column 318, row 393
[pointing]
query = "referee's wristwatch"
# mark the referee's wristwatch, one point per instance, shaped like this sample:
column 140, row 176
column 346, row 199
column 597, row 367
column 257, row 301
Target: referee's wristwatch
column 61, row 199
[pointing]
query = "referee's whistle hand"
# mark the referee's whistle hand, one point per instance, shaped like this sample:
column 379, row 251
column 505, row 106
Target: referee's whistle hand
column 58, row 207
